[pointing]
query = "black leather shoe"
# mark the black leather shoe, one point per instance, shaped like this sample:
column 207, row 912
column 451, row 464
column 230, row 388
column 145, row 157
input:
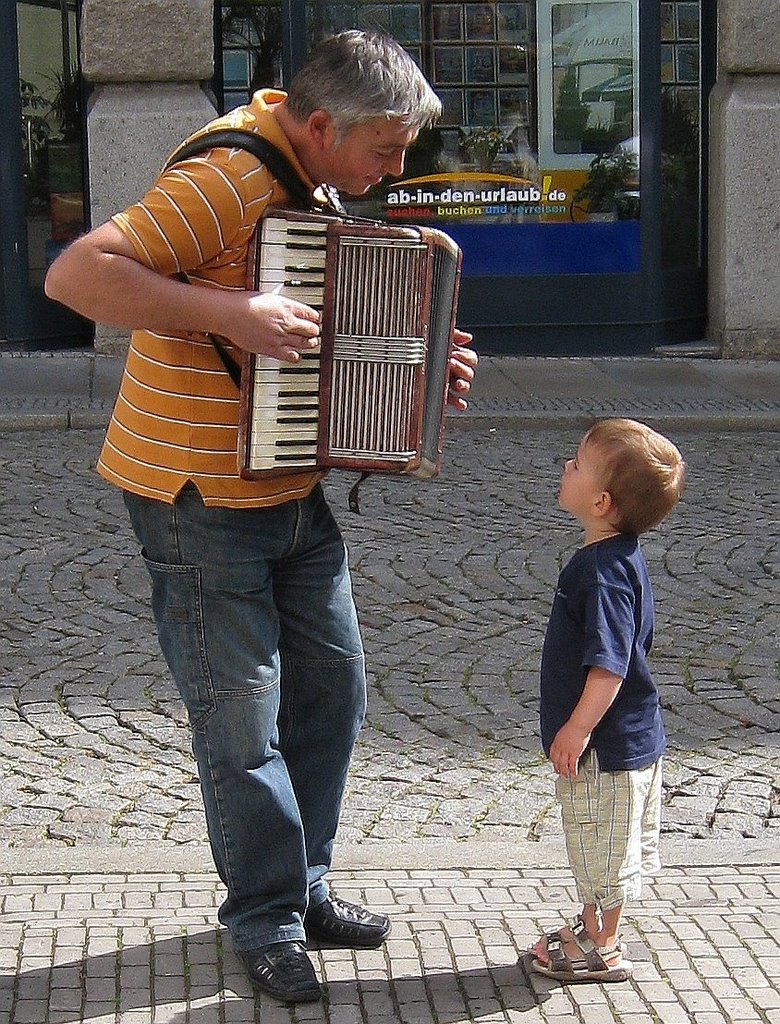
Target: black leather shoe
column 339, row 923
column 282, row 970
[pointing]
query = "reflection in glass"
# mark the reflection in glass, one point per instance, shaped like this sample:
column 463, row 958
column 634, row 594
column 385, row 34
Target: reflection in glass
column 667, row 64
column 681, row 139
column 251, row 48
column 687, row 21
column 667, row 21
column 687, row 64
column 593, row 76
column 50, row 95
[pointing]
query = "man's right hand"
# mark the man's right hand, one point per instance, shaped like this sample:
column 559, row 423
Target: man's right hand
column 100, row 276
column 274, row 325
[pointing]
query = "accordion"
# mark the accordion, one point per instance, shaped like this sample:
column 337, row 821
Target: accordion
column 373, row 396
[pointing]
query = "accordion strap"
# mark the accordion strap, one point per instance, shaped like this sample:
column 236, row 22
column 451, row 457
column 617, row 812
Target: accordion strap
column 325, row 198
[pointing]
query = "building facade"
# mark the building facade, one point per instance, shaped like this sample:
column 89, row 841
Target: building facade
column 610, row 169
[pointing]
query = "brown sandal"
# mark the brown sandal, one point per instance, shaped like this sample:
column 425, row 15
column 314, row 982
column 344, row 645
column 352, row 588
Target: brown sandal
column 592, row 966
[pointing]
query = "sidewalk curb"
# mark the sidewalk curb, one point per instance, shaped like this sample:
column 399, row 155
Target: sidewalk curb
column 384, row 855
column 97, row 419
column 529, row 420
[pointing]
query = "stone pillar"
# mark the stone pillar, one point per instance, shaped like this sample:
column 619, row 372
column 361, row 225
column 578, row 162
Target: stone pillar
column 147, row 61
column 744, row 197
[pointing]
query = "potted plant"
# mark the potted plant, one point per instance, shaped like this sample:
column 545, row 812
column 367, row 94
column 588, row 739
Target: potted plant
column 607, row 191
column 36, row 129
column 65, row 157
column 482, row 145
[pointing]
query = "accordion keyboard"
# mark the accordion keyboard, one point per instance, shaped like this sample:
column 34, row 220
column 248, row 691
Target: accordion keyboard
column 285, row 396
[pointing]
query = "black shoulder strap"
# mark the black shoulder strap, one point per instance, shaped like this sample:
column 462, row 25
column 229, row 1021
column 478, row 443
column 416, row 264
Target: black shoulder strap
column 265, row 151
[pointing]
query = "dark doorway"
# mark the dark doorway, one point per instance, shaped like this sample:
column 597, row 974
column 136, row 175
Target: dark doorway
column 42, row 200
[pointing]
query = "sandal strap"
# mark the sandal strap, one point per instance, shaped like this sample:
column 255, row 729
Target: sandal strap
column 557, row 958
column 591, row 954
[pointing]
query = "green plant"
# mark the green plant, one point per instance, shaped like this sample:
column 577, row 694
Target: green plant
column 607, row 187
column 65, row 104
column 482, row 145
column 571, row 114
column 35, row 107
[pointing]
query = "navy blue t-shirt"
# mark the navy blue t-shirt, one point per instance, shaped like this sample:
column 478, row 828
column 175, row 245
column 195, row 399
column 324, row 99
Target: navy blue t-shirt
column 602, row 616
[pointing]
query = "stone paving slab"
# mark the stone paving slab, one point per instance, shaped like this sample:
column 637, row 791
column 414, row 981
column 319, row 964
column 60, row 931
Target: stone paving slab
column 449, row 820
column 116, row 948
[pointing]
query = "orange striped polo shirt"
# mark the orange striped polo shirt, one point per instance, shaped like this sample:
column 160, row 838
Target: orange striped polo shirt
column 176, row 415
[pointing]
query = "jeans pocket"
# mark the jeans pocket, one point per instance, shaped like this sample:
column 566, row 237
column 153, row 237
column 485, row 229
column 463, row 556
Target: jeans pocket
column 178, row 612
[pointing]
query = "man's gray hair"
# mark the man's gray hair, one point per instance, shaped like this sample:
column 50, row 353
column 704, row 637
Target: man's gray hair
column 356, row 76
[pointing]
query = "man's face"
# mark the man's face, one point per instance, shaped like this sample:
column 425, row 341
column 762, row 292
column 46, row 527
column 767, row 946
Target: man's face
column 366, row 154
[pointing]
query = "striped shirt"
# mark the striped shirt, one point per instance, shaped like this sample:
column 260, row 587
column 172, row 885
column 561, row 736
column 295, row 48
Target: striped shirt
column 177, row 410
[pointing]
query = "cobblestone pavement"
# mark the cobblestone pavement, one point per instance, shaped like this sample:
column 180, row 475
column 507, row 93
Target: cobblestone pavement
column 453, row 580
column 107, row 901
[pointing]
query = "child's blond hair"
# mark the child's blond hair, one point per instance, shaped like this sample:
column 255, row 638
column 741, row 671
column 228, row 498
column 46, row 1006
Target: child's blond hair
column 643, row 472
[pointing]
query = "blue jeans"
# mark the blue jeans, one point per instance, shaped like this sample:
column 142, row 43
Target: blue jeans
column 256, row 620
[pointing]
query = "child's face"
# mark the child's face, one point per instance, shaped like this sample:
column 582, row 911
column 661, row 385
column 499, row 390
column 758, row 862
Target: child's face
column 581, row 483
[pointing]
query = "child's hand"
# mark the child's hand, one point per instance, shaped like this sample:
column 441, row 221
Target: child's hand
column 567, row 749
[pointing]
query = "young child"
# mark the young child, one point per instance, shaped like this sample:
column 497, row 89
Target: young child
column 600, row 716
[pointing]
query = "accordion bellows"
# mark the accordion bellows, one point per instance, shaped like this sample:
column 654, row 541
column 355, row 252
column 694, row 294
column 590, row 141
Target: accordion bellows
column 373, row 397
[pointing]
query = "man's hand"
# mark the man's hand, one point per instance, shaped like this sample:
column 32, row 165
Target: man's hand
column 463, row 363
column 274, row 325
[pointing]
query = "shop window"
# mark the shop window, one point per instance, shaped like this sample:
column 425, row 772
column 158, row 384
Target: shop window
column 681, row 187
column 251, row 49
column 50, row 95
column 540, row 121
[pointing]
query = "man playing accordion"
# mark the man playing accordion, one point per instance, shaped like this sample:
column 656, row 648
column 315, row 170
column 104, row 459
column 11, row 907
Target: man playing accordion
column 251, row 590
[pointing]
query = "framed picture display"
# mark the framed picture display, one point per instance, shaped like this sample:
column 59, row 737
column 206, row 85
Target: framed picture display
column 447, row 22
column 481, row 106
column 512, row 64
column 405, row 22
column 512, row 23
column 513, row 106
column 451, row 107
column 479, row 22
column 480, row 65
column 448, row 64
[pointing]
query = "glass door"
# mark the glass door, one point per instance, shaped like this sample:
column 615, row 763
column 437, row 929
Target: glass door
column 42, row 206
